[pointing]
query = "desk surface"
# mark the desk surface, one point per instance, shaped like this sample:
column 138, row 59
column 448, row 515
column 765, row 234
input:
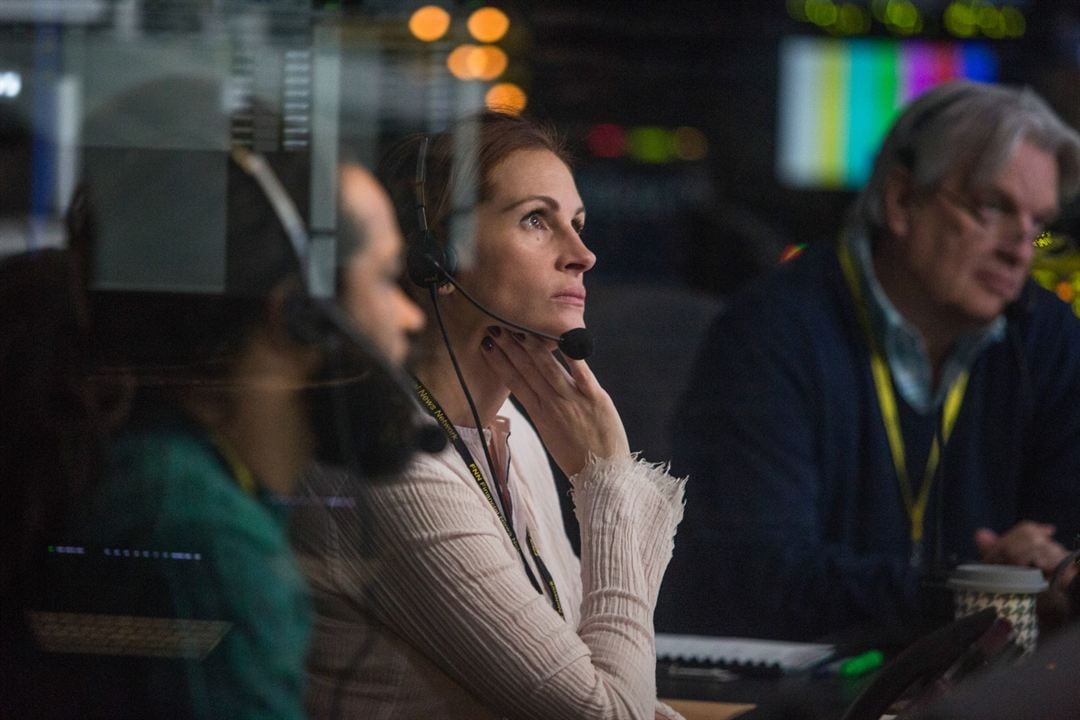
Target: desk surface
column 802, row 696
column 708, row 710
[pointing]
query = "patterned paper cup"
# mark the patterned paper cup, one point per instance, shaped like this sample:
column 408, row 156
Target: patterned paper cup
column 1009, row 589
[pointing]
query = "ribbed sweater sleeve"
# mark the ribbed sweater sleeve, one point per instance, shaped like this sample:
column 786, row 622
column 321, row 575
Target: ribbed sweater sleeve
column 453, row 587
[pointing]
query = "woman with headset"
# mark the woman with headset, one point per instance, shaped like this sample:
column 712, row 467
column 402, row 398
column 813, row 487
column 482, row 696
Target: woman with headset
column 459, row 595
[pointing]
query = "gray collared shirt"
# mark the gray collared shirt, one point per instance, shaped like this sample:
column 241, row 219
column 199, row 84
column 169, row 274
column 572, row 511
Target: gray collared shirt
column 903, row 345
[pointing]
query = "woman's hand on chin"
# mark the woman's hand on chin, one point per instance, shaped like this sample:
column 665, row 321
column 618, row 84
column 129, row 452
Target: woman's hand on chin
column 573, row 414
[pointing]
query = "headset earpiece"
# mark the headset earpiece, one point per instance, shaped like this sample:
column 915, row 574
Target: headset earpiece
column 304, row 320
column 428, row 263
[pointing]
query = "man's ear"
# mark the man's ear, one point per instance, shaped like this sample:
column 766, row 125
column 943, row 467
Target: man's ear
column 898, row 199
column 447, row 289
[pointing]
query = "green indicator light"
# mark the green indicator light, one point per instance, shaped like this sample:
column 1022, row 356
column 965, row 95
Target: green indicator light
column 862, row 664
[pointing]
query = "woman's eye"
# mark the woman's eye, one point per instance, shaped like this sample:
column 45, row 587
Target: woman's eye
column 535, row 221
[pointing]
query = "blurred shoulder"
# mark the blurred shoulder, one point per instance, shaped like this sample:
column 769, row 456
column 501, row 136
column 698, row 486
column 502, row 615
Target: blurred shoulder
column 798, row 303
column 170, row 477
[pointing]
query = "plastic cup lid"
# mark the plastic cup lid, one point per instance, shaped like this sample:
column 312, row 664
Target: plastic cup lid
column 1003, row 579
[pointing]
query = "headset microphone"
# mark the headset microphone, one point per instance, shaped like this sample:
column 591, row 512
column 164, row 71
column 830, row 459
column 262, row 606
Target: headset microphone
column 426, row 271
column 429, row 265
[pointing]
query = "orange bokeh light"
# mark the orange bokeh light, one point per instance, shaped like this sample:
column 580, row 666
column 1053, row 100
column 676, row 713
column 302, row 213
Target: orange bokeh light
column 471, row 62
column 691, row 144
column 429, row 23
column 506, row 97
column 458, row 62
column 488, row 24
column 1065, row 291
column 487, row 62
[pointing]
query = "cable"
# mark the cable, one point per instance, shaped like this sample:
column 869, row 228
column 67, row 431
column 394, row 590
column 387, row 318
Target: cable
column 460, row 377
column 450, row 278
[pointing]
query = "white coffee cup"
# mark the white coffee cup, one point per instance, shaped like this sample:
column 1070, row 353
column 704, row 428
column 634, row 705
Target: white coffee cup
column 1009, row 589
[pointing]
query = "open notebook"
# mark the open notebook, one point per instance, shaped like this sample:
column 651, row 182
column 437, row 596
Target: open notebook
column 747, row 656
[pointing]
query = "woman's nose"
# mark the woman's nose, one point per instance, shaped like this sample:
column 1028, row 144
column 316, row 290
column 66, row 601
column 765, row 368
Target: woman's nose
column 577, row 256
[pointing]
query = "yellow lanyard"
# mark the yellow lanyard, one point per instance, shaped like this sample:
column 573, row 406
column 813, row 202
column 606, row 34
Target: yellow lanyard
column 914, row 505
column 432, row 406
column 240, row 472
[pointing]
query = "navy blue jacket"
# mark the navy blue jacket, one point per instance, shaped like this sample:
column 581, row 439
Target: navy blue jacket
column 795, row 526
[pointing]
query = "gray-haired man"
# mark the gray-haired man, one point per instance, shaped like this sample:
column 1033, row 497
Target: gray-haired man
column 895, row 403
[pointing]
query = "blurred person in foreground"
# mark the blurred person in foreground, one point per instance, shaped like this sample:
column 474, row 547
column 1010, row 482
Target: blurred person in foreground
column 371, row 261
column 162, row 429
column 882, row 408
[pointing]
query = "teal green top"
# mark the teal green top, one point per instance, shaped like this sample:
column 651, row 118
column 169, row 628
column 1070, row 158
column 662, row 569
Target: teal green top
column 169, row 489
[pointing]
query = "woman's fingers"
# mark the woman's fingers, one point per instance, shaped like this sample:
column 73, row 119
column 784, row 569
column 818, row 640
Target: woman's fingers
column 507, row 372
column 572, row 413
column 536, row 361
column 582, row 375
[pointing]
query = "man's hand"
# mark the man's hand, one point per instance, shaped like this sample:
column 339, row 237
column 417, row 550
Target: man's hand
column 1026, row 543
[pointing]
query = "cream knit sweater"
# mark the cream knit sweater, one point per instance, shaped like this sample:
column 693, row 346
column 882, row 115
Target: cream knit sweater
column 424, row 609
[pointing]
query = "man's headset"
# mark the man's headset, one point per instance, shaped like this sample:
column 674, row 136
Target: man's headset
column 373, row 418
column 431, row 264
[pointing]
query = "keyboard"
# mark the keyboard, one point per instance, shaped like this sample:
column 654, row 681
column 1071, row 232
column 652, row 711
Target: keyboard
column 85, row 633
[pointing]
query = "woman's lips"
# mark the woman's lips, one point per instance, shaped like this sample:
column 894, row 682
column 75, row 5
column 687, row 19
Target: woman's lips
column 575, row 297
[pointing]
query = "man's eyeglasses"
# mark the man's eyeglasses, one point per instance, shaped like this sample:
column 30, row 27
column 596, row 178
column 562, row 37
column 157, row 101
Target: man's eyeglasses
column 992, row 212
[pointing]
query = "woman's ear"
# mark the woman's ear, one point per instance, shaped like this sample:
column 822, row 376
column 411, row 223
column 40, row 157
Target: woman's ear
column 446, row 289
column 897, row 202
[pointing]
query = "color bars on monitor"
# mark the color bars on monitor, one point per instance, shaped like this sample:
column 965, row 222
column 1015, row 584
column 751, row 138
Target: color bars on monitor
column 839, row 96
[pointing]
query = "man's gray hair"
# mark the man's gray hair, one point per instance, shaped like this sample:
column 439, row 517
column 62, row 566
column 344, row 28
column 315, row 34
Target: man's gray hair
column 970, row 128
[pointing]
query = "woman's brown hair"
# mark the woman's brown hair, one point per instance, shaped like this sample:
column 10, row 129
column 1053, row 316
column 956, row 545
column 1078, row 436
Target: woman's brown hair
column 498, row 135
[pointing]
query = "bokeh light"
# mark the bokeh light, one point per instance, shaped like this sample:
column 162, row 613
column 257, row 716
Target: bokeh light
column 903, row 17
column 821, row 12
column 960, row 20
column 650, row 144
column 429, row 23
column 690, row 144
column 1065, row 291
column 457, row 62
column 506, row 97
column 853, row 20
column 488, row 24
column 486, row 62
column 1015, row 25
column 992, row 22
column 472, row 62
column 606, row 140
